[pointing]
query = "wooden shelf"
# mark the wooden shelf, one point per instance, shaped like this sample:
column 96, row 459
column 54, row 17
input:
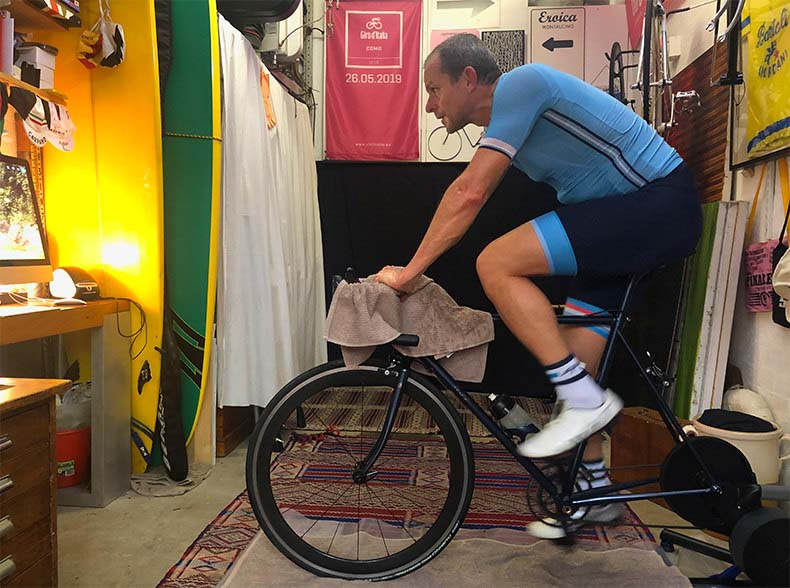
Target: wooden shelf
column 50, row 95
column 28, row 19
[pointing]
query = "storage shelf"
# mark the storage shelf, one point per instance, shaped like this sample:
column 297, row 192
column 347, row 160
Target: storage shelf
column 29, row 19
column 50, row 95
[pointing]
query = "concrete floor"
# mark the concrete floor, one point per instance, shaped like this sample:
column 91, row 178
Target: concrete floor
column 135, row 539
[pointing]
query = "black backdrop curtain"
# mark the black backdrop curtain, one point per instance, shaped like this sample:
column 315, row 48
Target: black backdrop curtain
column 374, row 214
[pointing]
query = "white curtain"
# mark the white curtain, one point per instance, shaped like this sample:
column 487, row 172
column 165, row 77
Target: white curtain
column 270, row 299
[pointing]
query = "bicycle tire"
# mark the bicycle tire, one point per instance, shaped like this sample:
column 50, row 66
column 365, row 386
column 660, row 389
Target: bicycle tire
column 616, row 77
column 460, row 480
column 647, row 54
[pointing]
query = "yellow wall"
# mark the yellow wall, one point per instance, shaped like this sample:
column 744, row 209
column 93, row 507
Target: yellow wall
column 104, row 199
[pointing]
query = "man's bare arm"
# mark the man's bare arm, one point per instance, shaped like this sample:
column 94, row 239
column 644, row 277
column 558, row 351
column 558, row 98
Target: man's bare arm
column 459, row 207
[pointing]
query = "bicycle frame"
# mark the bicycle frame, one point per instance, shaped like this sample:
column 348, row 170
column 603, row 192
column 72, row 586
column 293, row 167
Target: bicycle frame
column 566, row 500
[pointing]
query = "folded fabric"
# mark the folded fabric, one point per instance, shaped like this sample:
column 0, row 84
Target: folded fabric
column 61, row 128
column 367, row 314
column 34, row 112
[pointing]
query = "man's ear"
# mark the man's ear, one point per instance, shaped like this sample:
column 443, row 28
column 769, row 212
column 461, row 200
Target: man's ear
column 470, row 75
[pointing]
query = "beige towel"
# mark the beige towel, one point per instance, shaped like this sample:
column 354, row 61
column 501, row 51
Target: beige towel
column 369, row 313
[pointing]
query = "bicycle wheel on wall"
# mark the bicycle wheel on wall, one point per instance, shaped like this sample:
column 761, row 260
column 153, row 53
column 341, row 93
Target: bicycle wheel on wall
column 655, row 82
column 303, row 453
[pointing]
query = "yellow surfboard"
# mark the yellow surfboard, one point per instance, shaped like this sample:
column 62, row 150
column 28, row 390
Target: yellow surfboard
column 104, row 199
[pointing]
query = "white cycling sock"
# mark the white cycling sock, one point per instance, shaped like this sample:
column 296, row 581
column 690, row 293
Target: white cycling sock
column 574, row 385
column 598, row 473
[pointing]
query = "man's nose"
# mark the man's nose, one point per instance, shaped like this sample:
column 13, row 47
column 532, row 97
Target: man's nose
column 430, row 106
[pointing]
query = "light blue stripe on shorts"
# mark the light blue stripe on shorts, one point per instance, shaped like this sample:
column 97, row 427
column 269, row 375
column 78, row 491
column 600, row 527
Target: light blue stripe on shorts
column 556, row 245
column 576, row 307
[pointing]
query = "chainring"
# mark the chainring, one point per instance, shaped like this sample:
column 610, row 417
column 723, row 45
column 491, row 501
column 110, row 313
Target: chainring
column 542, row 505
column 680, row 471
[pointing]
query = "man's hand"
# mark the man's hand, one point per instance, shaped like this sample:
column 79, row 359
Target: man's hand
column 392, row 276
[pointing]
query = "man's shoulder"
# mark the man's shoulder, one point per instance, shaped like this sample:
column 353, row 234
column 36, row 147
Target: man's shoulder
column 532, row 76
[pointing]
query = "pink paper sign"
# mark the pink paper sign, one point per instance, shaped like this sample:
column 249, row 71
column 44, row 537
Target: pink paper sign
column 759, row 269
column 439, row 36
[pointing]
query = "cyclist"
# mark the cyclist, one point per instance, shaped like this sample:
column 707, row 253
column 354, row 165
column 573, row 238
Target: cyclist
column 629, row 205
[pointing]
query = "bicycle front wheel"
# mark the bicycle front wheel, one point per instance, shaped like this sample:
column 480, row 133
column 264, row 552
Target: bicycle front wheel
column 306, row 446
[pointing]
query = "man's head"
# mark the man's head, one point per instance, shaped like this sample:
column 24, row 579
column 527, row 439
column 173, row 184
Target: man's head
column 457, row 73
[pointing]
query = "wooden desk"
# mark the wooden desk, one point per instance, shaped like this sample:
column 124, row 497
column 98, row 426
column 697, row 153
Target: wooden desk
column 24, row 323
column 110, row 384
column 28, row 482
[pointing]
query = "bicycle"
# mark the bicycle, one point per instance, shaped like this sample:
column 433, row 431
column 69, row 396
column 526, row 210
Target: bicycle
column 312, row 462
column 444, row 146
column 659, row 105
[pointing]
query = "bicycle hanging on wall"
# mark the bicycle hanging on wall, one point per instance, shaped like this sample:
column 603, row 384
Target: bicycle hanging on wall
column 658, row 104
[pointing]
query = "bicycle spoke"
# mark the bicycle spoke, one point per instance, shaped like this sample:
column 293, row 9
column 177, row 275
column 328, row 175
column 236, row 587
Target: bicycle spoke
column 380, row 529
column 409, row 496
column 329, row 549
column 323, row 513
column 394, row 518
column 310, row 496
column 298, row 491
column 326, row 427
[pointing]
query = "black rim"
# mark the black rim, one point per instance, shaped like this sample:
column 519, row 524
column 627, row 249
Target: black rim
column 268, row 512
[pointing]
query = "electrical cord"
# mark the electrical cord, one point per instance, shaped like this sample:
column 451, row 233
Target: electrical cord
column 134, row 335
column 305, row 26
column 18, row 298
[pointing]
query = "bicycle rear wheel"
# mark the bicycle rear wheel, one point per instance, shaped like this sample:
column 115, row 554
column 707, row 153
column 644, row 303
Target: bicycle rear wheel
column 305, row 448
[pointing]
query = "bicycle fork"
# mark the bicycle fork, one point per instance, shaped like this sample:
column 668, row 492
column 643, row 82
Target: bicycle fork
column 362, row 471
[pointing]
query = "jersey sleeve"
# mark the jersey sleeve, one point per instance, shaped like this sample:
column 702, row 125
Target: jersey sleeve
column 521, row 96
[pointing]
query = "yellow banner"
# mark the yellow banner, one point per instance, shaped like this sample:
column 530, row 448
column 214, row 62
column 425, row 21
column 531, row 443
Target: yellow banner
column 768, row 79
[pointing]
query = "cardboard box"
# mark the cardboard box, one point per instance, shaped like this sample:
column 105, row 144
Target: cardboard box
column 47, row 78
column 37, row 56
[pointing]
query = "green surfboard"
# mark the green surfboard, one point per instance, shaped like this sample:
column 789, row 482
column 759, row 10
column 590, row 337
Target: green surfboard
column 191, row 160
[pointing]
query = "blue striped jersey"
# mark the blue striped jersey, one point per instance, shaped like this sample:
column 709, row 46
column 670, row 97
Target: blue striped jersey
column 573, row 136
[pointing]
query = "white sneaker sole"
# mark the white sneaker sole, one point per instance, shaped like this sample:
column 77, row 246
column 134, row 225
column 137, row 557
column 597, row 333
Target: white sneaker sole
column 538, row 445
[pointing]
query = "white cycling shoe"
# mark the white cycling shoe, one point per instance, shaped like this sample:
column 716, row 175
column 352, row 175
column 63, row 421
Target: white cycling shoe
column 551, row 529
column 570, row 427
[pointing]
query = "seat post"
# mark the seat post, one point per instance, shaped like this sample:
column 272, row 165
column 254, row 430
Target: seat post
column 625, row 305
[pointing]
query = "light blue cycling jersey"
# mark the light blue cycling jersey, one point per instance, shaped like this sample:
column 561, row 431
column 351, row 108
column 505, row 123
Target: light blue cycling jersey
column 573, row 136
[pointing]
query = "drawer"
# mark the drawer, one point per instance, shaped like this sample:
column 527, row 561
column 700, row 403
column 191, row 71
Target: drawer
column 41, row 573
column 26, row 470
column 22, row 430
column 26, row 509
column 27, row 547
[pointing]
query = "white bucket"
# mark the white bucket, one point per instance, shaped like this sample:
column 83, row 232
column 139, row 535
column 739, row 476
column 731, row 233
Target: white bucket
column 761, row 449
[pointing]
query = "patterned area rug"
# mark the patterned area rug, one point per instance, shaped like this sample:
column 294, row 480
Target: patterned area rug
column 341, row 406
column 498, row 511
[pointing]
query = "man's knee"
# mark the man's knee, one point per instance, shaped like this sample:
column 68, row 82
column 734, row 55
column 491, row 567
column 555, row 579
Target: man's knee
column 488, row 265
column 498, row 261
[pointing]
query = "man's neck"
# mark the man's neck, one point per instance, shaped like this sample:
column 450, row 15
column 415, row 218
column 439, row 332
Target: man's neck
column 481, row 115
